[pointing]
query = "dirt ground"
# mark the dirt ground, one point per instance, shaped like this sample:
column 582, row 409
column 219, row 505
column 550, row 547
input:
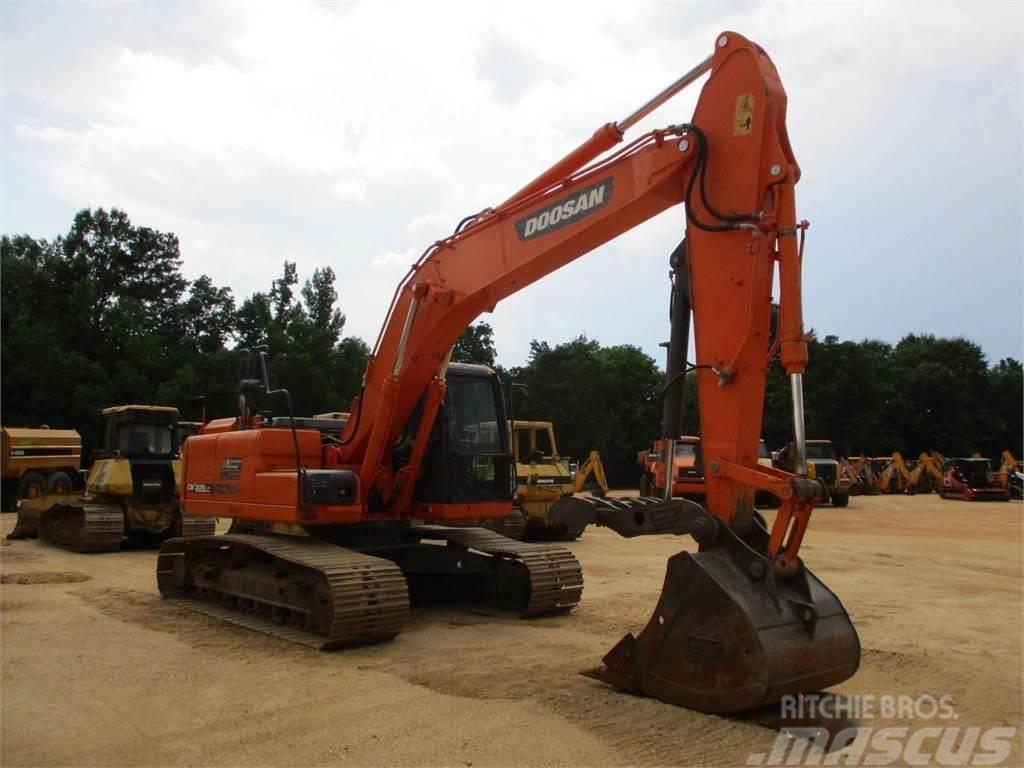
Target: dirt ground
column 97, row 670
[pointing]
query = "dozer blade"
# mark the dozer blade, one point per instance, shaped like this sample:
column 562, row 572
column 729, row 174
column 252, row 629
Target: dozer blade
column 728, row 636
column 30, row 510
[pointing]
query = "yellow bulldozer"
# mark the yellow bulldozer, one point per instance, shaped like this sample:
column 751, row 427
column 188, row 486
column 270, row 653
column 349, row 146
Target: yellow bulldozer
column 131, row 493
column 543, row 477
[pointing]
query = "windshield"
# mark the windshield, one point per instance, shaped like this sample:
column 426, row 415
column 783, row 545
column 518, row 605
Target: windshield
column 473, row 416
column 541, row 442
column 686, row 450
column 820, row 451
column 973, row 467
column 145, row 439
column 762, row 451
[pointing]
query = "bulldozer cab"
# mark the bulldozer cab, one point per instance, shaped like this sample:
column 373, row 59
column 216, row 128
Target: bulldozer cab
column 137, row 432
column 821, row 450
column 136, row 453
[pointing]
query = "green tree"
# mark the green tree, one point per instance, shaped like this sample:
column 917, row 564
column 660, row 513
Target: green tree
column 86, row 318
column 321, row 370
column 940, row 400
column 123, row 270
column 475, row 345
column 1006, row 405
column 206, row 318
column 252, row 321
column 604, row 398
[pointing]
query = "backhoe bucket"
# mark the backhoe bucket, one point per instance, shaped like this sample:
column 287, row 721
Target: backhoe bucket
column 728, row 636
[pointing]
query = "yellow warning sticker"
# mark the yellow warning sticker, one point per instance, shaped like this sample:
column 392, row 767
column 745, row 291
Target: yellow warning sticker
column 744, row 121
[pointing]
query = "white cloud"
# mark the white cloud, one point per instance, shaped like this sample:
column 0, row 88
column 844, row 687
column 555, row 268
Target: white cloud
column 355, row 135
column 390, row 260
column 351, row 190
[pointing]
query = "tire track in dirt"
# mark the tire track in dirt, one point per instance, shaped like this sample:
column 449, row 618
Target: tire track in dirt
column 531, row 661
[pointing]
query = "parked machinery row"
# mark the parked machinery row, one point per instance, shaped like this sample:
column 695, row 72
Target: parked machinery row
column 823, row 467
column 967, row 478
column 970, row 479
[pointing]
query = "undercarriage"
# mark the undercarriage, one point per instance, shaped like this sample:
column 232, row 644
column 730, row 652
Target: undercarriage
column 316, row 591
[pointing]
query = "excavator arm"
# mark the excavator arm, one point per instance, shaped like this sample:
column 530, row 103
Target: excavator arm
column 592, row 466
column 1008, row 467
column 733, row 168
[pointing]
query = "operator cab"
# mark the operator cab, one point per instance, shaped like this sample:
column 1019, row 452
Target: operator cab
column 821, row 450
column 534, row 442
column 468, row 458
column 976, row 473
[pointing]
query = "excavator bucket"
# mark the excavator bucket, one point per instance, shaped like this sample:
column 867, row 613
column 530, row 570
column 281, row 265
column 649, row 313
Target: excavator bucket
column 727, row 635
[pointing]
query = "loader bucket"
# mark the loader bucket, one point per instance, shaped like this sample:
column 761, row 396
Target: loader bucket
column 728, row 636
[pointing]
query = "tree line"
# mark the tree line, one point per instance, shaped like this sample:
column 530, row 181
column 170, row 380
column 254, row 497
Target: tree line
column 868, row 397
column 103, row 315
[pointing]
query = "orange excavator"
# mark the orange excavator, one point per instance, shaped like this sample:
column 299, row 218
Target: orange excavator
column 740, row 623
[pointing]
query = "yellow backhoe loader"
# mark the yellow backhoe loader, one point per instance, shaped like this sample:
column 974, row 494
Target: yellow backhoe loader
column 860, row 474
column 890, row 478
column 1009, row 475
column 926, row 476
column 543, row 477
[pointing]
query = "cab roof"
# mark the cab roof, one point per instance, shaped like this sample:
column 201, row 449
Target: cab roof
column 42, row 432
column 471, row 368
column 124, row 408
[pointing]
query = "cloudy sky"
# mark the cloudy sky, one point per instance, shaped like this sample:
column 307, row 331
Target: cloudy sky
column 353, row 135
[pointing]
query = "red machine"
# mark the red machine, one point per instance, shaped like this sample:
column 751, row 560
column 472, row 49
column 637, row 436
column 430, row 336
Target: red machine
column 971, row 480
column 687, row 469
column 740, row 623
